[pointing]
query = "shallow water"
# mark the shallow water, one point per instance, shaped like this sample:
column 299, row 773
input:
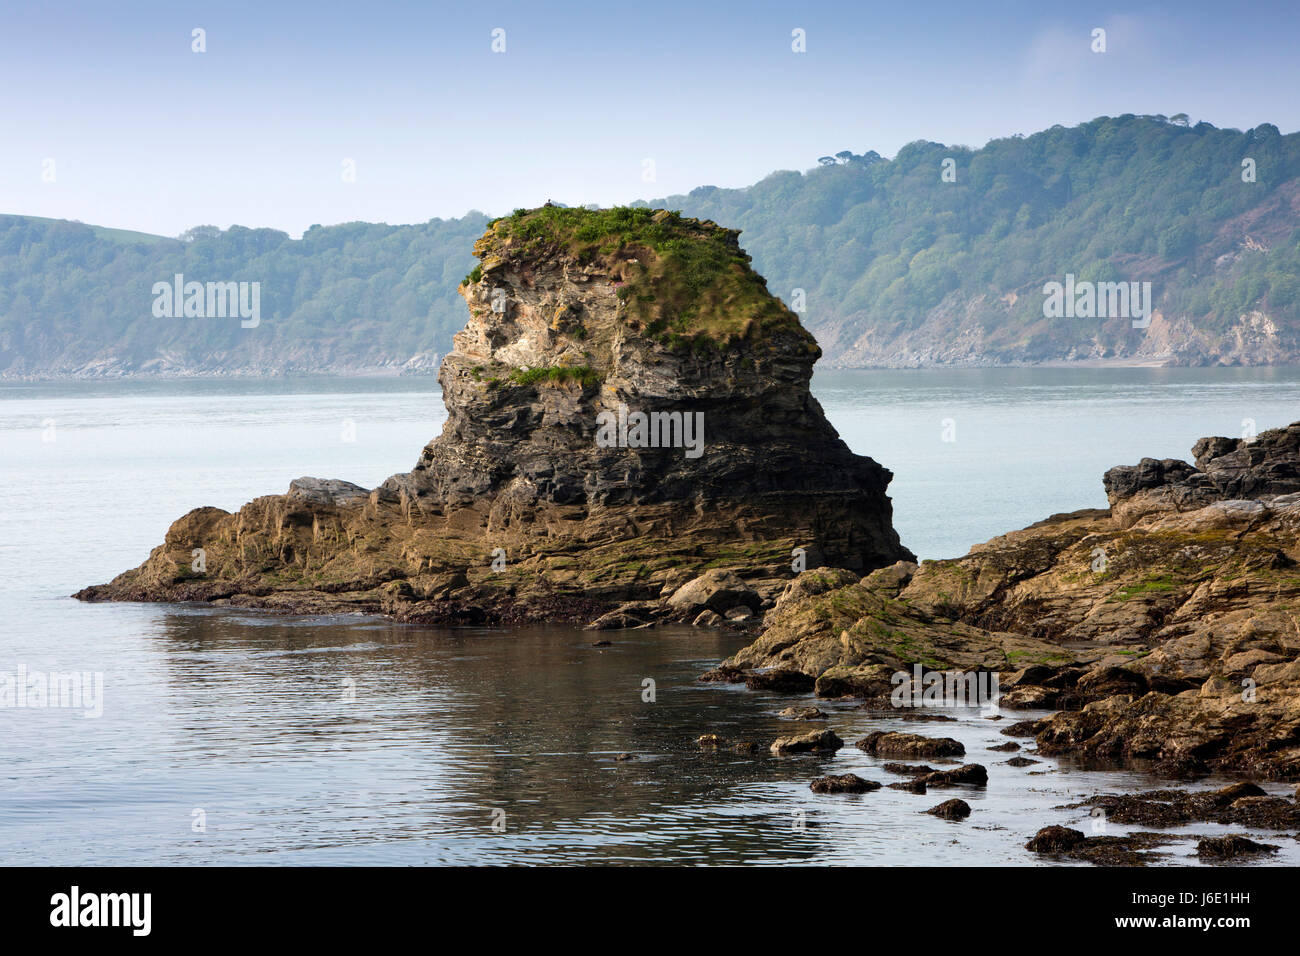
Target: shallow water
column 357, row 741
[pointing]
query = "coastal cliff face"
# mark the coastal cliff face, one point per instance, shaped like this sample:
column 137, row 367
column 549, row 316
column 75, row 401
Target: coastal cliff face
column 1163, row 629
column 984, row 331
column 628, row 409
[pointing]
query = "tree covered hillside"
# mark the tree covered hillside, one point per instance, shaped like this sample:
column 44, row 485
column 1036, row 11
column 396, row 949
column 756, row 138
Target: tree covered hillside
column 343, row 297
column 897, row 265
column 888, row 247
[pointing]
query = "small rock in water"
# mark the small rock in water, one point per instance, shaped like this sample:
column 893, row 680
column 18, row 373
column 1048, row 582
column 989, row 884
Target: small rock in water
column 1020, row 762
column 884, row 743
column 951, row 810
column 623, row 757
column 817, row 740
column 971, row 773
column 1007, row 747
column 1055, row 840
column 844, row 783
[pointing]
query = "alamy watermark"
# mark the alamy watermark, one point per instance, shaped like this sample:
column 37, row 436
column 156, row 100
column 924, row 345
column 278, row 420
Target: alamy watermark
column 128, row 910
column 212, row 300
column 629, row 429
column 76, row 690
column 1098, row 300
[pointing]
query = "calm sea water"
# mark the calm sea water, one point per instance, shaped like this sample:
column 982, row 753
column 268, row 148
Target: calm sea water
column 233, row 737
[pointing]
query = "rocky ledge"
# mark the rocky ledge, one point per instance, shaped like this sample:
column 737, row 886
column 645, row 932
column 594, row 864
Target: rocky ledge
column 628, row 411
column 1163, row 630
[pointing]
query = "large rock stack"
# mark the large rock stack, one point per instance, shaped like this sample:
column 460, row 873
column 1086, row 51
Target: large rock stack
column 547, row 496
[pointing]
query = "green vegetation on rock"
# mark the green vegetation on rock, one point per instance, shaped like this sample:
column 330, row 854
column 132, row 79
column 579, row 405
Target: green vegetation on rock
column 584, row 375
column 686, row 283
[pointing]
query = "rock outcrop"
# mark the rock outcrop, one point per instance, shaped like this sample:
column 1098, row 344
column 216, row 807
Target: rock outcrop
column 1232, row 471
column 628, row 409
column 1163, row 630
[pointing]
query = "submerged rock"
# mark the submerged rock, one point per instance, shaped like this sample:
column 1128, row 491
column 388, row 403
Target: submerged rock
column 916, row 785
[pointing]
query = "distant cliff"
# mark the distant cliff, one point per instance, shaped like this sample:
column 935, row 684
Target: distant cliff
column 939, row 256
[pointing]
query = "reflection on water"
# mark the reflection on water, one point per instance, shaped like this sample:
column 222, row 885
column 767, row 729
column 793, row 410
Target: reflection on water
column 356, row 741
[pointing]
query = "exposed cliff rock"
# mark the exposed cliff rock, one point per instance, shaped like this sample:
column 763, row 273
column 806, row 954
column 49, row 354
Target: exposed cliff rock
column 1165, row 629
column 979, row 331
column 628, row 408
column 1227, row 469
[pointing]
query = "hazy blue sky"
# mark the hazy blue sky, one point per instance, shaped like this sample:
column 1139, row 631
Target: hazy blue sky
column 146, row 134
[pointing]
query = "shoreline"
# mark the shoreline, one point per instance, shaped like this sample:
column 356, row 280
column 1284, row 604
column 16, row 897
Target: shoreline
column 388, row 373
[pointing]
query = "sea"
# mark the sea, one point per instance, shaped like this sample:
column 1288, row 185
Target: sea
column 224, row 736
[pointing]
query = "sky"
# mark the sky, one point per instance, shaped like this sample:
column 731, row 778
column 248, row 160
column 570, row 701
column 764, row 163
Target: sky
column 323, row 112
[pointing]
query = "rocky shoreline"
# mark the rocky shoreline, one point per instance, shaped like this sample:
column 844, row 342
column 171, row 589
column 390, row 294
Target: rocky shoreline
column 1161, row 631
